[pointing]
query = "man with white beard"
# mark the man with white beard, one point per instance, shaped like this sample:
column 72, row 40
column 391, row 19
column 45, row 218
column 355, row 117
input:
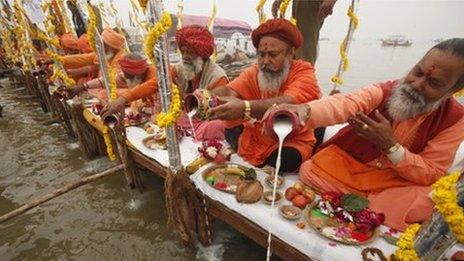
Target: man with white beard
column 401, row 138
column 196, row 71
column 276, row 78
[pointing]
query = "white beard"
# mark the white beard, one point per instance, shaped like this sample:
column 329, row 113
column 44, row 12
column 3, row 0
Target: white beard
column 190, row 70
column 271, row 81
column 400, row 106
column 109, row 55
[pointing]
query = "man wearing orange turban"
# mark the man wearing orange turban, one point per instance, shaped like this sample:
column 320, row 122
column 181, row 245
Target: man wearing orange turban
column 276, row 78
column 69, row 43
column 196, row 71
column 81, row 65
column 83, row 44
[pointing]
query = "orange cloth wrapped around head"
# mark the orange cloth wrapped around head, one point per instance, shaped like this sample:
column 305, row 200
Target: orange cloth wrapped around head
column 279, row 28
column 197, row 39
column 83, row 44
column 133, row 64
column 68, row 41
column 113, row 38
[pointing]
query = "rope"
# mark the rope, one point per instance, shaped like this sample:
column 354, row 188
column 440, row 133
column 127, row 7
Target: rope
column 337, row 79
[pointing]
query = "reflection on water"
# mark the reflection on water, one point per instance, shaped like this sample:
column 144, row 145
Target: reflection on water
column 103, row 220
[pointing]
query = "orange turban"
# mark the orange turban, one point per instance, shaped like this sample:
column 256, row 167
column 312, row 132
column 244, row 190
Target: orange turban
column 68, row 41
column 133, row 66
column 279, row 28
column 196, row 38
column 83, row 44
column 113, row 38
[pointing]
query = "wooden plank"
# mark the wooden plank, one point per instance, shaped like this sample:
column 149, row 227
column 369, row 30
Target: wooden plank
column 234, row 219
column 253, row 231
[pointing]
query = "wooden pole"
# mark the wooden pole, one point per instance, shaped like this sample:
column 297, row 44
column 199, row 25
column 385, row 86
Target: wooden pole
column 59, row 192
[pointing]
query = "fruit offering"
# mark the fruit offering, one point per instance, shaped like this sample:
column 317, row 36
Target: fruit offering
column 300, row 195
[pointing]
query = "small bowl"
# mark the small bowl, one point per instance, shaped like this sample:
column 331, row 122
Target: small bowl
column 269, row 180
column 267, row 197
column 290, row 212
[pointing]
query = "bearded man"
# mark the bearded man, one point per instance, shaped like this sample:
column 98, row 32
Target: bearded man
column 196, row 71
column 401, row 138
column 276, row 79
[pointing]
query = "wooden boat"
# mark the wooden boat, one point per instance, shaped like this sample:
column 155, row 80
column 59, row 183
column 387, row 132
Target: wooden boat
column 396, row 40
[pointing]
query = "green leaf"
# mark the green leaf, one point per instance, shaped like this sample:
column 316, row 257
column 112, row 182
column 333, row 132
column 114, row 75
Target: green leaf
column 390, row 239
column 250, row 174
column 354, row 203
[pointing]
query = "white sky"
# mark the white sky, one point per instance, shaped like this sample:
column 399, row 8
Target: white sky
column 417, row 19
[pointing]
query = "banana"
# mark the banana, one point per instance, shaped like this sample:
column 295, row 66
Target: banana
column 235, row 171
column 196, row 164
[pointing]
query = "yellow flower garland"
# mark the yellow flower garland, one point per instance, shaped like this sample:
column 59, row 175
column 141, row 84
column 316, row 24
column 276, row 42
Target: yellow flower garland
column 169, row 118
column 445, row 197
column 109, row 145
column 59, row 74
column 405, row 244
column 259, row 10
column 155, row 33
column 92, row 27
column 112, row 82
column 283, row 8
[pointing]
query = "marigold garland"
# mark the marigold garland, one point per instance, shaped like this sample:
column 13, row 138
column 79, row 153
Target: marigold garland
column 158, row 29
column 109, row 145
column 405, row 244
column 259, row 10
column 59, row 74
column 445, row 197
column 92, row 27
column 283, row 7
column 169, row 118
column 112, row 83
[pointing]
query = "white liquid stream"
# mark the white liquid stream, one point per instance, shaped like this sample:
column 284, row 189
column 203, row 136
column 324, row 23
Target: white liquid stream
column 281, row 127
column 190, row 114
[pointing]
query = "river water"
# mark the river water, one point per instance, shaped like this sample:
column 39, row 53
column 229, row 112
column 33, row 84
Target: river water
column 105, row 220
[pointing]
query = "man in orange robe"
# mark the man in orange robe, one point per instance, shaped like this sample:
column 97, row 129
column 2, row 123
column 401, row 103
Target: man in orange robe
column 401, row 138
column 196, row 71
column 276, row 79
column 80, row 65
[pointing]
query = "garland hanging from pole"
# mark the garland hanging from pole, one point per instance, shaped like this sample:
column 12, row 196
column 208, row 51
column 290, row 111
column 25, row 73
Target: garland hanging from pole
column 259, row 10
column 344, row 46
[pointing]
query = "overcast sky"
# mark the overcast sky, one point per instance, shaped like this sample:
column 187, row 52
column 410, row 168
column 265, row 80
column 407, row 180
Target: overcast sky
column 417, row 19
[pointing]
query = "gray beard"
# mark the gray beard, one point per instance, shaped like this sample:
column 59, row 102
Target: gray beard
column 269, row 81
column 133, row 83
column 189, row 71
column 400, row 106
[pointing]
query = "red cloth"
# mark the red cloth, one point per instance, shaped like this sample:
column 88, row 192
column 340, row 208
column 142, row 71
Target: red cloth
column 133, row 67
column 68, row 41
column 196, row 38
column 279, row 28
column 83, row 44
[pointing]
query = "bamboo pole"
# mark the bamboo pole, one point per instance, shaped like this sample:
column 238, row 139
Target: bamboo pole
column 34, row 203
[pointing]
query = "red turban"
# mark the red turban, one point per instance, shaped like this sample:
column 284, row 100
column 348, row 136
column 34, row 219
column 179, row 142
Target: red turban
column 68, row 41
column 196, row 38
column 113, row 38
column 279, row 28
column 83, row 44
column 132, row 66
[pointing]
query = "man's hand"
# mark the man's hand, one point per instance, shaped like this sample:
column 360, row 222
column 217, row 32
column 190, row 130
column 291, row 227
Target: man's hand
column 302, row 110
column 232, row 108
column 380, row 132
column 70, row 92
column 326, row 9
column 113, row 107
